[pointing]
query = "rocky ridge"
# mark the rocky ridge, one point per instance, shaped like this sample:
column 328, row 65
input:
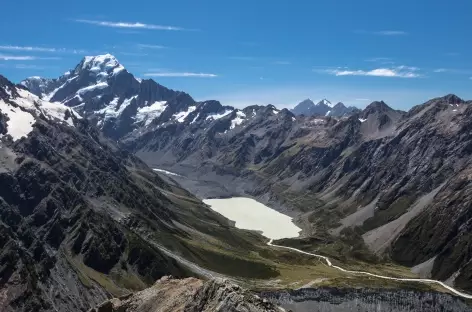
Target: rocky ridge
column 389, row 178
column 189, row 295
column 82, row 220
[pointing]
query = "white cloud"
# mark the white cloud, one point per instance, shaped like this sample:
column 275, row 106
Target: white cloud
column 132, row 54
column 182, row 74
column 4, row 57
column 136, row 25
column 242, row 58
column 383, row 32
column 282, row 63
column 18, row 48
column 28, row 66
column 40, row 49
column 400, row 72
column 453, row 71
column 391, row 33
column 150, row 46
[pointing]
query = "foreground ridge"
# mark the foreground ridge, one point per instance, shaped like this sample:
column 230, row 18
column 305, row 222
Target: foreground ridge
column 418, row 280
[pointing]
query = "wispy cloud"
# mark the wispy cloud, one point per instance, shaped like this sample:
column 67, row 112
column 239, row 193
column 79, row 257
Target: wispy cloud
column 132, row 54
column 4, row 57
column 130, row 25
column 242, row 58
column 453, row 71
column 40, row 49
column 382, row 32
column 399, row 72
column 453, row 54
column 30, row 66
column 381, row 60
column 150, row 46
column 391, row 33
column 282, row 63
column 362, row 100
column 181, row 74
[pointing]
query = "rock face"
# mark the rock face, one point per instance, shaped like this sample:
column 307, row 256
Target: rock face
column 82, row 220
column 189, row 295
column 399, row 180
column 368, row 300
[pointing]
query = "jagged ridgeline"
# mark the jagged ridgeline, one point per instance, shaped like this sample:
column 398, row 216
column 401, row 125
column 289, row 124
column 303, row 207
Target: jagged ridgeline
column 82, row 220
column 374, row 189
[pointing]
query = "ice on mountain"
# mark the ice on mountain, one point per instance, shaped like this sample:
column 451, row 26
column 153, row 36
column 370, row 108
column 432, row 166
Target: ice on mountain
column 112, row 109
column 151, row 112
column 22, row 116
column 180, row 117
column 239, row 119
column 100, row 85
column 218, row 116
column 20, row 123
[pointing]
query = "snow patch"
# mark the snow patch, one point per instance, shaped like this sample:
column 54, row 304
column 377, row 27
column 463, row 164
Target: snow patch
column 180, row 117
column 239, row 119
column 167, row 172
column 23, row 116
column 20, row 122
column 151, row 112
column 218, row 116
column 100, row 85
column 328, row 113
column 112, row 109
column 362, row 120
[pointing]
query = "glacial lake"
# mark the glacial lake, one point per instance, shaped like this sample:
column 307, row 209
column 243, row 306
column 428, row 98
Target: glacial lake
column 249, row 214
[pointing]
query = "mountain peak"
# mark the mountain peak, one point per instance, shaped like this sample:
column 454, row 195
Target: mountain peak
column 378, row 106
column 306, row 102
column 325, row 102
column 101, row 64
column 452, row 99
column 339, row 105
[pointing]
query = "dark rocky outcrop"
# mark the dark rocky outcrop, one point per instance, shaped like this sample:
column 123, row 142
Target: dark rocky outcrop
column 189, row 295
column 368, row 300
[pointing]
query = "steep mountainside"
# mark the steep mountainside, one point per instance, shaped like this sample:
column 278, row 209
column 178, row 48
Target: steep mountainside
column 384, row 177
column 82, row 220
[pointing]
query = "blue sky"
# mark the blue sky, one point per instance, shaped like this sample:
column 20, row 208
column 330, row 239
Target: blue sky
column 254, row 52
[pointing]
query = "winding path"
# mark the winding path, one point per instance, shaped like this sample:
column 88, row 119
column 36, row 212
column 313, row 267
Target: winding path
column 418, row 280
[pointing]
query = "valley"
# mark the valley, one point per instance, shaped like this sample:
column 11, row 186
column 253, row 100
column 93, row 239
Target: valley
column 134, row 181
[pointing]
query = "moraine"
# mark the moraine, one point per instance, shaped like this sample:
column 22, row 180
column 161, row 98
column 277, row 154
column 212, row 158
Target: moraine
column 249, row 214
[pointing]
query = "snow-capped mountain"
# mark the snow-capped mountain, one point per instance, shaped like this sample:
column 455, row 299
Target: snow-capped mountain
column 102, row 90
column 323, row 108
column 19, row 110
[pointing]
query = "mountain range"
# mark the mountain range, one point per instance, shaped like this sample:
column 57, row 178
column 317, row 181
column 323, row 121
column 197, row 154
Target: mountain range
column 370, row 186
column 324, row 108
